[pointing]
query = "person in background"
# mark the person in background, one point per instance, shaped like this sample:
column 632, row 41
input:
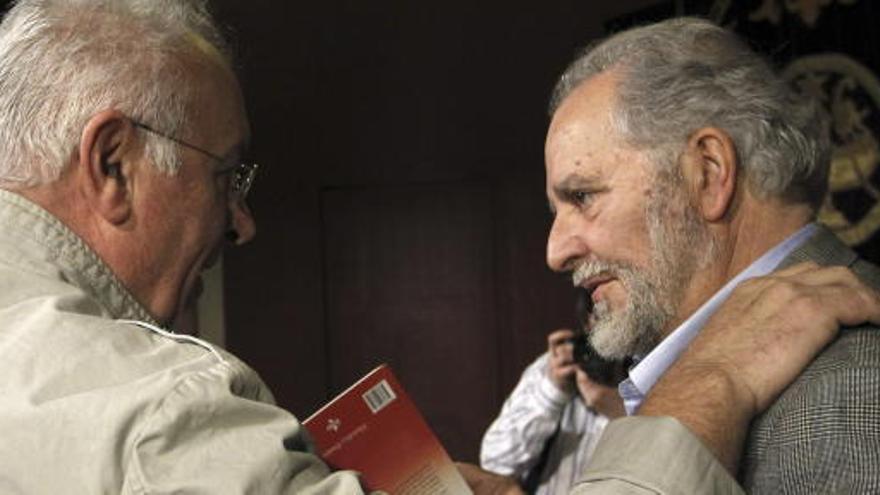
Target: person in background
column 551, row 422
column 122, row 130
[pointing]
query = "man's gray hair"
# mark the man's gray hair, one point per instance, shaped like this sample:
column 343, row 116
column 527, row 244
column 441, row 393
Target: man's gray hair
column 683, row 74
column 62, row 61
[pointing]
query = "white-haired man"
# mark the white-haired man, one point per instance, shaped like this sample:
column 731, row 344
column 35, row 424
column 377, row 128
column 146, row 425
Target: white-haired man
column 679, row 165
column 121, row 130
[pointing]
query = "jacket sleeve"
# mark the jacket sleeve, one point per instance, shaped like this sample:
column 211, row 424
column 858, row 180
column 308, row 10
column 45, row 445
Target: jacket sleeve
column 217, row 431
column 514, row 441
column 653, row 456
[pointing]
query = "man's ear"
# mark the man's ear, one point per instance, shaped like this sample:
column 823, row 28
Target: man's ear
column 710, row 171
column 106, row 165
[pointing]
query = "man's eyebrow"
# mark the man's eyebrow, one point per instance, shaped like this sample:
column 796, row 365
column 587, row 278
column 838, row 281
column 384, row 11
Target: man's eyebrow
column 573, row 182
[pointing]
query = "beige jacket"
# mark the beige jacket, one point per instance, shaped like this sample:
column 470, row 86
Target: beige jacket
column 91, row 404
column 653, row 456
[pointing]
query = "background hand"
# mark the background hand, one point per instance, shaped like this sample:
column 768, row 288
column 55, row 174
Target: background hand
column 561, row 365
column 604, row 400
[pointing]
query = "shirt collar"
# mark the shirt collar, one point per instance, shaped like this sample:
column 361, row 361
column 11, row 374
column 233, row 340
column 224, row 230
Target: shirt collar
column 645, row 374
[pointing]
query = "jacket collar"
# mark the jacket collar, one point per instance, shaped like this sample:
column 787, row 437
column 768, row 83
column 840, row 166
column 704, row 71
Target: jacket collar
column 31, row 236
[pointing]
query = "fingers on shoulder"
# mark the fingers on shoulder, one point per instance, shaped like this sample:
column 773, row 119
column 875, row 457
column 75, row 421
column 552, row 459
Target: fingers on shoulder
column 824, row 295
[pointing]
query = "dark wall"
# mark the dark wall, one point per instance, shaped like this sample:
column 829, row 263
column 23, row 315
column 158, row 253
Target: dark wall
column 401, row 210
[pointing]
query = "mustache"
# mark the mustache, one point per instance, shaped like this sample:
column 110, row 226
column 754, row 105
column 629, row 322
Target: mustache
column 592, row 268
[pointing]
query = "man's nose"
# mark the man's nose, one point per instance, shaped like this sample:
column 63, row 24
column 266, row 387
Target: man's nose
column 564, row 245
column 242, row 227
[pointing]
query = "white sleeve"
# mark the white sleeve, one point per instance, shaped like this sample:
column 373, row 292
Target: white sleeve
column 514, row 441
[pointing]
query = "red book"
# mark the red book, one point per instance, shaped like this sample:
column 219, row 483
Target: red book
column 374, row 428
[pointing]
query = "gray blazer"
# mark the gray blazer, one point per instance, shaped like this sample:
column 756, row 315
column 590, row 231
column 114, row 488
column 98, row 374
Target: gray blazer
column 823, row 433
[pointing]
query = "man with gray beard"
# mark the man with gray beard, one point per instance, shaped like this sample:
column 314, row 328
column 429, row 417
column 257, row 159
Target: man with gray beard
column 678, row 167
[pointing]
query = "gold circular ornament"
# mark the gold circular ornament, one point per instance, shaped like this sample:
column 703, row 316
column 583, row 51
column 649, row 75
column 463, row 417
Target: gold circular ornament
column 850, row 93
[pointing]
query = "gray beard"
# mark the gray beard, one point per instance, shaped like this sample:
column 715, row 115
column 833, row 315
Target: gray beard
column 634, row 329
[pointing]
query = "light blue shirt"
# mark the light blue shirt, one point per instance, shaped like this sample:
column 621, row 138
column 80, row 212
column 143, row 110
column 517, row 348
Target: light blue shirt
column 648, row 370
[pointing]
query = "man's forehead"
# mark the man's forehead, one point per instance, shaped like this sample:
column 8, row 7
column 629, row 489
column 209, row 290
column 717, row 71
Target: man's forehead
column 219, row 103
column 567, row 133
column 585, row 113
column 576, row 144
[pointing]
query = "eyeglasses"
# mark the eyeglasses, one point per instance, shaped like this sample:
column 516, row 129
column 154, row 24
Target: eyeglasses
column 241, row 174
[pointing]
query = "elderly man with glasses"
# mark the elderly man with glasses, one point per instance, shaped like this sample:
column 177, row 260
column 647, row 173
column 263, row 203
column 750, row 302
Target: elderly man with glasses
column 122, row 130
